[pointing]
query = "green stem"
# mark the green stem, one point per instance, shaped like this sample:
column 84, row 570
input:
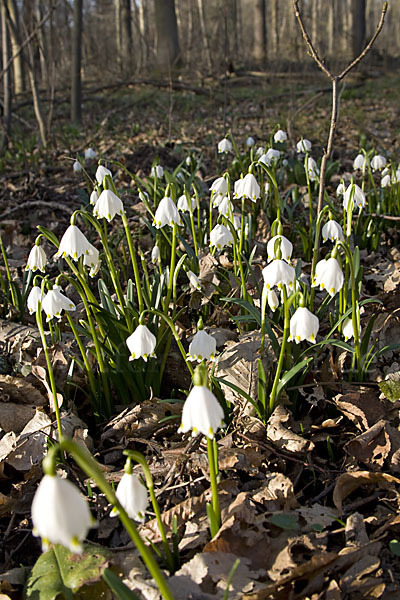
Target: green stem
column 286, row 330
column 89, row 371
column 3, row 251
column 87, row 463
column 212, row 460
column 139, row 458
column 134, row 262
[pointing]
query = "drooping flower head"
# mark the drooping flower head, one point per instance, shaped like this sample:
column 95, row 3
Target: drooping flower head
column 353, row 196
column 247, row 188
column 278, row 273
column 157, row 171
column 55, row 302
column 312, row 168
column 220, row 237
column 102, row 172
column 303, row 326
column 141, row 343
column 166, row 214
column 224, row 146
column 90, row 154
column 193, row 280
column 329, row 276
column 280, row 136
column 92, row 259
column 183, row 203
column 270, row 157
column 332, row 231
column 286, row 248
column 378, row 162
column 33, row 299
column 202, row 347
column 60, row 514
column 360, row 163
column 108, row 205
column 250, row 142
column 73, row 243
column 303, row 145
column 132, row 495
column 37, row 259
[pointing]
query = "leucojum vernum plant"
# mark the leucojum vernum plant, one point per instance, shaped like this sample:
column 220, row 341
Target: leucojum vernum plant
column 122, row 303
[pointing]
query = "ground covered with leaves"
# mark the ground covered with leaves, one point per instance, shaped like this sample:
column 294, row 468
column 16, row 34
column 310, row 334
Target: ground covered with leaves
column 309, row 497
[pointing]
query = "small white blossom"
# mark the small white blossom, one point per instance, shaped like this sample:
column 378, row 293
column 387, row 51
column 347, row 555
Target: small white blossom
column 94, row 196
column 33, row 299
column 386, row 181
column 166, row 214
column 155, row 254
column 360, row 163
column 92, row 259
column 55, row 302
column 225, row 207
column 348, row 329
column 247, row 188
column 219, row 187
column 303, row 146
column 108, row 205
column 221, row 236
column 193, row 280
column 201, row 413
column 90, row 154
column 132, row 495
column 270, row 157
column 278, row 273
column 303, row 326
column 141, row 343
column 60, row 514
column 250, row 142
column 101, row 172
column 353, row 196
column 224, row 146
column 286, row 247
column 202, row 347
column 378, row 162
column 332, row 231
column 77, row 167
column 37, row 259
column 157, row 171
column 329, row 276
column 73, row 243
column 183, row 204
column 280, row 136
column 272, row 299
column 312, row 167
column 340, row 190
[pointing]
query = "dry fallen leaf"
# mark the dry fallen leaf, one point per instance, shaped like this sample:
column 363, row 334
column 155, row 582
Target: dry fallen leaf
column 283, row 437
column 349, row 482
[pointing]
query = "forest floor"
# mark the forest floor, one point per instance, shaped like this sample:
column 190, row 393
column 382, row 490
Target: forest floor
column 310, row 499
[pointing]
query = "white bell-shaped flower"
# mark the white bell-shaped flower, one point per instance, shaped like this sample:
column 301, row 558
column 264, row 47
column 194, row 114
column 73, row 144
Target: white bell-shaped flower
column 193, row 280
column 224, row 146
column 33, row 299
column 396, row 177
column 202, row 347
column 312, row 168
column 92, row 259
column 219, row 187
column 155, row 254
column 340, row 190
column 141, row 343
column 73, row 243
column 132, row 495
column 270, row 157
column 272, row 299
column 220, row 237
column 237, row 223
column 77, row 167
column 286, row 248
column 348, row 329
column 183, row 204
column 37, row 259
column 157, row 171
column 278, row 273
column 166, row 214
column 101, row 172
column 360, row 163
column 90, row 154
column 60, row 514
column 250, row 142
column 386, row 181
column 332, row 231
column 303, row 326
column 353, row 196
column 238, row 188
column 378, row 162
column 108, row 205
column 250, row 188
column 94, row 196
column 202, row 413
column 329, row 276
column 303, row 146
column 225, row 207
column 55, row 302
column 280, row 136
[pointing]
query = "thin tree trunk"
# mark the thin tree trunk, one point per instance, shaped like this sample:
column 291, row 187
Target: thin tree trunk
column 274, row 27
column 167, row 33
column 126, row 35
column 144, row 33
column 7, row 76
column 357, row 26
column 76, row 84
column 15, row 35
column 118, row 36
column 41, row 43
column 204, row 34
column 314, row 22
column 260, row 32
column 331, row 27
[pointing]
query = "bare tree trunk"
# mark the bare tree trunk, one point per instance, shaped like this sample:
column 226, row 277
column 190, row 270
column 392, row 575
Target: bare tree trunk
column 118, row 35
column 204, row 34
column 167, row 33
column 41, row 43
column 126, row 35
column 15, row 35
column 144, row 34
column 357, row 26
column 274, row 27
column 260, row 32
column 76, row 84
column 6, row 78
column 331, row 27
column 314, row 22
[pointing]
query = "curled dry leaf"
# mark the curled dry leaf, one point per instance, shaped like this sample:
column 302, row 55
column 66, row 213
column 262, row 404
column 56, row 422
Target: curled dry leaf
column 371, row 447
column 362, row 406
column 349, row 482
column 30, row 447
column 283, row 437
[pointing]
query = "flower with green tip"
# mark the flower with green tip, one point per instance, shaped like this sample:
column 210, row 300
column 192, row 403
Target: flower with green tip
column 202, row 347
column 141, row 343
column 108, row 205
column 73, row 243
column 37, row 259
column 303, row 326
column 220, row 237
column 55, row 302
column 132, row 495
column 202, row 413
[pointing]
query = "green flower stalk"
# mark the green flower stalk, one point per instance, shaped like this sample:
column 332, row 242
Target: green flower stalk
column 87, row 463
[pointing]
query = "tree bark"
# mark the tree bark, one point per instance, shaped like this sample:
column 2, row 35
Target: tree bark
column 167, row 47
column 15, row 36
column 358, row 26
column 126, row 36
column 76, row 84
column 204, row 34
column 260, row 32
column 5, row 46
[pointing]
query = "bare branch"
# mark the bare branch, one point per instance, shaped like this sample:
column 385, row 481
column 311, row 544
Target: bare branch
column 309, row 43
column 368, row 46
